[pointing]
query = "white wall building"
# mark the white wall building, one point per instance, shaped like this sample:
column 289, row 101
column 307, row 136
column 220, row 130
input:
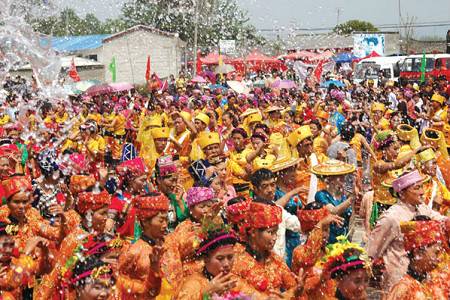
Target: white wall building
column 131, row 48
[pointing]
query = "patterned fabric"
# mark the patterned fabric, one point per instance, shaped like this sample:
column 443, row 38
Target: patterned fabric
column 417, row 234
column 263, row 215
column 326, row 198
column 16, row 184
column 309, row 218
column 148, row 206
column 91, row 201
column 196, row 195
column 47, row 161
column 129, row 152
column 135, row 167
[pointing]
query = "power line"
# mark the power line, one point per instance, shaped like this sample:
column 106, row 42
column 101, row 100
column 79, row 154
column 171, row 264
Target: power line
column 383, row 26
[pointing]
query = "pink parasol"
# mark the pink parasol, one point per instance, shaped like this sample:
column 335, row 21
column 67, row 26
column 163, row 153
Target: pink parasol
column 198, row 79
column 99, row 89
column 121, row 86
column 284, row 84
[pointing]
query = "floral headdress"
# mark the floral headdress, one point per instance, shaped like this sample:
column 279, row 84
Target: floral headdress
column 344, row 256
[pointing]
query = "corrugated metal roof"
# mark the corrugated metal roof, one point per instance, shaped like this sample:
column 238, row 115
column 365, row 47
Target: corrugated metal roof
column 77, row 43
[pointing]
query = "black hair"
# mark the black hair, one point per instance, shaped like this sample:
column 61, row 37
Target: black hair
column 421, row 218
column 348, row 255
column 347, row 132
column 240, row 131
column 263, row 127
column 317, row 123
column 313, row 206
column 229, row 240
column 82, row 266
column 235, row 200
column 261, row 175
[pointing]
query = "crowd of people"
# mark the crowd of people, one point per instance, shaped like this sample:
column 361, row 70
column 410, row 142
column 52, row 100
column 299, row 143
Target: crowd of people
column 199, row 192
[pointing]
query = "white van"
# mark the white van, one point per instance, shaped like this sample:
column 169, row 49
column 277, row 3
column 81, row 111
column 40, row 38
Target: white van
column 370, row 67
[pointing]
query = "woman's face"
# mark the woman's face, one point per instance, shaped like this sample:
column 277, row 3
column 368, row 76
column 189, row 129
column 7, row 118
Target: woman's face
column 221, row 170
column 353, row 285
column 263, row 240
column 392, row 149
column 156, row 226
column 99, row 219
column 200, row 210
column 5, row 167
column 238, row 141
column 167, row 184
column 314, row 129
column 220, row 260
column 6, row 248
column 95, row 290
column 216, row 185
column 18, row 204
column 226, row 121
column 287, row 118
column 138, row 184
column 257, row 142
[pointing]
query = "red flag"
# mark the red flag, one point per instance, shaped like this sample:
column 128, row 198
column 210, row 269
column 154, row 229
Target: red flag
column 147, row 72
column 198, row 62
column 164, row 86
column 73, row 71
column 318, row 70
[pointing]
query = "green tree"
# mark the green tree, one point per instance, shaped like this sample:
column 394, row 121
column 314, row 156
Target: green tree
column 69, row 23
column 354, row 25
column 217, row 19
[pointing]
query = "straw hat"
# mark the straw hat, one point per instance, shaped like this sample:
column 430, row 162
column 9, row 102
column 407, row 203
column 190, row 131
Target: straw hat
column 273, row 108
column 248, row 112
column 284, row 164
column 333, row 167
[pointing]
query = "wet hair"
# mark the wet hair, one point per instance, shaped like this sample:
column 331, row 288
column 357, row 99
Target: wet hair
column 235, row 200
column 261, row 175
column 347, row 132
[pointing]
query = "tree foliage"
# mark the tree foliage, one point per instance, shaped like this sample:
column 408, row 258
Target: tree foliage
column 354, row 25
column 216, row 19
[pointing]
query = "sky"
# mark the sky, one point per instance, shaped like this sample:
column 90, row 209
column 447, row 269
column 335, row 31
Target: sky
column 284, row 15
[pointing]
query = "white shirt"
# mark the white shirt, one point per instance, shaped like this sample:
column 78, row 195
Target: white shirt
column 290, row 222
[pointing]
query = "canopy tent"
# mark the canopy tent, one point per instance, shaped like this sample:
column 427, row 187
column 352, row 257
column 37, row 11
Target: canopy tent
column 258, row 61
column 344, row 57
column 213, row 59
column 257, row 57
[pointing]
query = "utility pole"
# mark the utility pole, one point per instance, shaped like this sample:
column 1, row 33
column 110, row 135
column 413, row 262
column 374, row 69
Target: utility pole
column 338, row 15
column 195, row 35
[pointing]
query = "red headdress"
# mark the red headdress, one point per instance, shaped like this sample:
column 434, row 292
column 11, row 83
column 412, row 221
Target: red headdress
column 309, row 218
column 418, row 234
column 263, row 215
column 148, row 206
column 92, row 201
column 16, row 184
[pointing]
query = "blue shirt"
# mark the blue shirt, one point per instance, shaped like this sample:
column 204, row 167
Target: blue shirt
column 325, row 198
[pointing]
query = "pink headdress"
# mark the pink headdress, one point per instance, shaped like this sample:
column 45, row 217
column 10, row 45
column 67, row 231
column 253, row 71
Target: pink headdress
column 406, row 181
column 196, row 195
